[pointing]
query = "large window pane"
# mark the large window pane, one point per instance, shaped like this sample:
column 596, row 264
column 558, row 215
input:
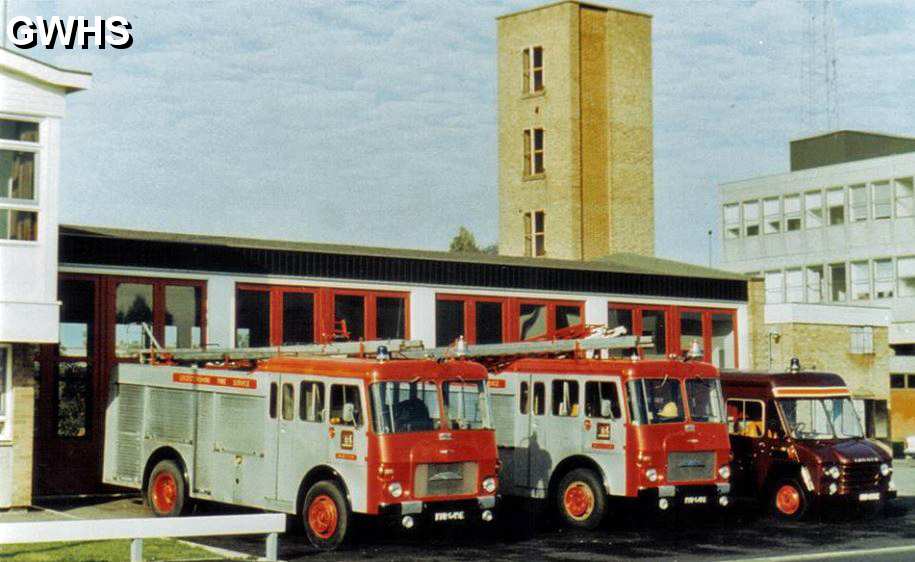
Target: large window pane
column 77, row 317
column 732, row 221
column 449, row 321
column 775, row 287
column 567, row 316
column 858, row 196
column 74, row 389
column 620, row 317
column 350, row 309
column 133, row 317
column 691, row 330
column 883, row 203
column 838, row 283
column 904, row 197
column 723, row 341
column 489, row 322
column 772, row 213
column 532, row 321
column 794, row 285
column 23, row 131
column 860, row 281
column 252, row 319
column 17, row 175
column 906, row 267
column 835, row 203
column 18, row 225
column 815, row 283
column 390, row 318
column 298, row 318
column 182, row 316
column 813, row 207
column 654, row 324
column 792, row 212
column 884, row 282
column 751, row 218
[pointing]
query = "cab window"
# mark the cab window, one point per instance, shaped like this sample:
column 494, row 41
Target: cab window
column 288, row 401
column 524, row 398
column 565, row 398
column 539, row 399
column 745, row 418
column 311, row 401
column 601, row 400
column 340, row 395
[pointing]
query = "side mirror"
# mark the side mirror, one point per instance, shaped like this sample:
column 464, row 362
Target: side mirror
column 605, row 409
column 349, row 413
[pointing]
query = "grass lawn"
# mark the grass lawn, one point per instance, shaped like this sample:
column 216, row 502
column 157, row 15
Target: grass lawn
column 102, row 551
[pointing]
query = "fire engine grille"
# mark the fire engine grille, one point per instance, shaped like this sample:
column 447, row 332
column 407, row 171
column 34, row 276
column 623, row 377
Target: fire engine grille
column 445, row 479
column 130, row 420
column 859, row 477
column 687, row 467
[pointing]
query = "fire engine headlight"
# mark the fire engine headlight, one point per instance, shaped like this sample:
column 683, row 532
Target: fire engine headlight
column 833, row 472
column 885, row 469
column 395, row 489
column 652, row 475
column 724, row 472
column 833, row 488
column 489, row 485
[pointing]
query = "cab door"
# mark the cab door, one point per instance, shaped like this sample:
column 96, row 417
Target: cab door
column 555, row 427
column 749, row 446
column 604, row 429
column 348, row 444
column 302, row 434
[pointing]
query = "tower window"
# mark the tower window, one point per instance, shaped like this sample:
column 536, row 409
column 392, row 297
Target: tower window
column 534, row 238
column 533, row 69
column 533, row 152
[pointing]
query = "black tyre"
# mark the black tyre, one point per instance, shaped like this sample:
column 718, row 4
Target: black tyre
column 325, row 515
column 166, row 490
column 580, row 499
column 788, row 500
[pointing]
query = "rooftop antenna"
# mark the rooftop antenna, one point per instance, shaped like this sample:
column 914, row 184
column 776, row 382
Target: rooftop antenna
column 820, row 82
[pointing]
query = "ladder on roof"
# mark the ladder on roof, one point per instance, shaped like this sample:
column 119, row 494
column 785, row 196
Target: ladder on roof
column 333, row 349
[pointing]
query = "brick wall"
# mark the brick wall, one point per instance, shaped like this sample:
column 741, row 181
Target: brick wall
column 23, row 422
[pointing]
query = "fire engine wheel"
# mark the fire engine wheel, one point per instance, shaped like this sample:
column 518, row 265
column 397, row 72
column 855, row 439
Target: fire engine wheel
column 789, row 501
column 166, row 490
column 580, row 499
column 325, row 515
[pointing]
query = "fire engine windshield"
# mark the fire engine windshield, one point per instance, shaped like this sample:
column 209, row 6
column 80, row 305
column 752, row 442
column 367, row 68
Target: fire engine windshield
column 403, row 407
column 820, row 418
column 656, row 400
column 705, row 403
column 468, row 404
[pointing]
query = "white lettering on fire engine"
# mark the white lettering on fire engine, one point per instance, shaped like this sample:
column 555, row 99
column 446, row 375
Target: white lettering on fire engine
column 449, row 516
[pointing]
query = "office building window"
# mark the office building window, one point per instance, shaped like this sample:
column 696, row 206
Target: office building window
column 835, row 203
column 860, row 281
column 858, row 202
column 794, row 285
column 751, row 218
column 792, row 212
column 838, row 283
column 534, row 234
column 815, row 283
column 813, row 207
column 884, row 281
column 883, row 203
column 906, row 268
column 897, row 381
column 862, row 340
column 731, row 221
column 533, row 152
column 449, row 321
column 904, row 197
column 775, row 289
column 772, row 215
column 532, row 59
column 18, row 181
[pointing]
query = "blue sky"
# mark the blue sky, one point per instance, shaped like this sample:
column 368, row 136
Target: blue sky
column 375, row 122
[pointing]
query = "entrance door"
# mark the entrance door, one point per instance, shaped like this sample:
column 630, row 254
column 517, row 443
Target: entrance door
column 302, row 436
column 604, row 429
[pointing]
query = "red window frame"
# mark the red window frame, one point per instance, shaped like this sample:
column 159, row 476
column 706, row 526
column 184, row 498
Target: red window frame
column 511, row 313
column 470, row 313
column 324, row 310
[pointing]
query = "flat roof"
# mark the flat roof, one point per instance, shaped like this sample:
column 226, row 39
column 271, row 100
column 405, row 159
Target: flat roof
column 618, row 273
column 582, row 4
column 68, row 79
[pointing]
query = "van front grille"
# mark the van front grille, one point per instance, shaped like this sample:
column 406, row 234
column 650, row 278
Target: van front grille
column 689, row 467
column 445, row 479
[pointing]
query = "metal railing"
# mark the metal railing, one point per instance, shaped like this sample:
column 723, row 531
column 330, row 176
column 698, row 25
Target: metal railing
column 270, row 524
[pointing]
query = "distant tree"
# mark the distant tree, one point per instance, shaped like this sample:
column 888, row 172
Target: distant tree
column 464, row 242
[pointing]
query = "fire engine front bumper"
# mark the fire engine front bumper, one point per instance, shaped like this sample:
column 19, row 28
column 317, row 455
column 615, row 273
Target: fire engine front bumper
column 666, row 497
column 471, row 510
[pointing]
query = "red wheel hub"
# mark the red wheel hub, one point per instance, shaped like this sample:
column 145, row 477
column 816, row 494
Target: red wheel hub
column 322, row 516
column 788, row 499
column 578, row 500
column 164, row 492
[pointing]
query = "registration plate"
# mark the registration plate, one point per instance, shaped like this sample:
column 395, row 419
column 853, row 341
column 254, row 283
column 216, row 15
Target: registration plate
column 869, row 497
column 449, row 516
column 695, row 500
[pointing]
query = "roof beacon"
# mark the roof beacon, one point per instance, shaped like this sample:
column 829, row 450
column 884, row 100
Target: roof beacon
column 382, row 353
column 795, row 366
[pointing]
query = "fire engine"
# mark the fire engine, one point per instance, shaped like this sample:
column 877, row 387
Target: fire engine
column 577, row 431
column 309, row 435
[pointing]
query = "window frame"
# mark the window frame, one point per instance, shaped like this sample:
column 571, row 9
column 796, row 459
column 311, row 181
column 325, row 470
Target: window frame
column 793, row 215
column 732, row 228
column 867, row 268
column 744, row 401
column 910, row 198
column 749, row 223
column 551, row 304
column 891, row 279
column 470, row 313
column 530, row 69
column 529, row 170
column 8, row 204
column 890, row 201
column 6, row 417
column 842, row 204
column 159, row 303
column 300, row 416
column 772, row 222
column 855, row 209
column 808, row 209
column 575, row 388
column 532, row 235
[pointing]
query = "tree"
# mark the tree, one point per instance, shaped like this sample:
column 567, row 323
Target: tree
column 464, row 242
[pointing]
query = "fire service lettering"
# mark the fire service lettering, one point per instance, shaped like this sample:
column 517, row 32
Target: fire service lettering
column 213, row 380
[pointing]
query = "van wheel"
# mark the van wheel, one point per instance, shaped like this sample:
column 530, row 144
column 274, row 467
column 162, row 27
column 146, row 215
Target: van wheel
column 325, row 515
column 166, row 490
column 789, row 501
column 580, row 499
